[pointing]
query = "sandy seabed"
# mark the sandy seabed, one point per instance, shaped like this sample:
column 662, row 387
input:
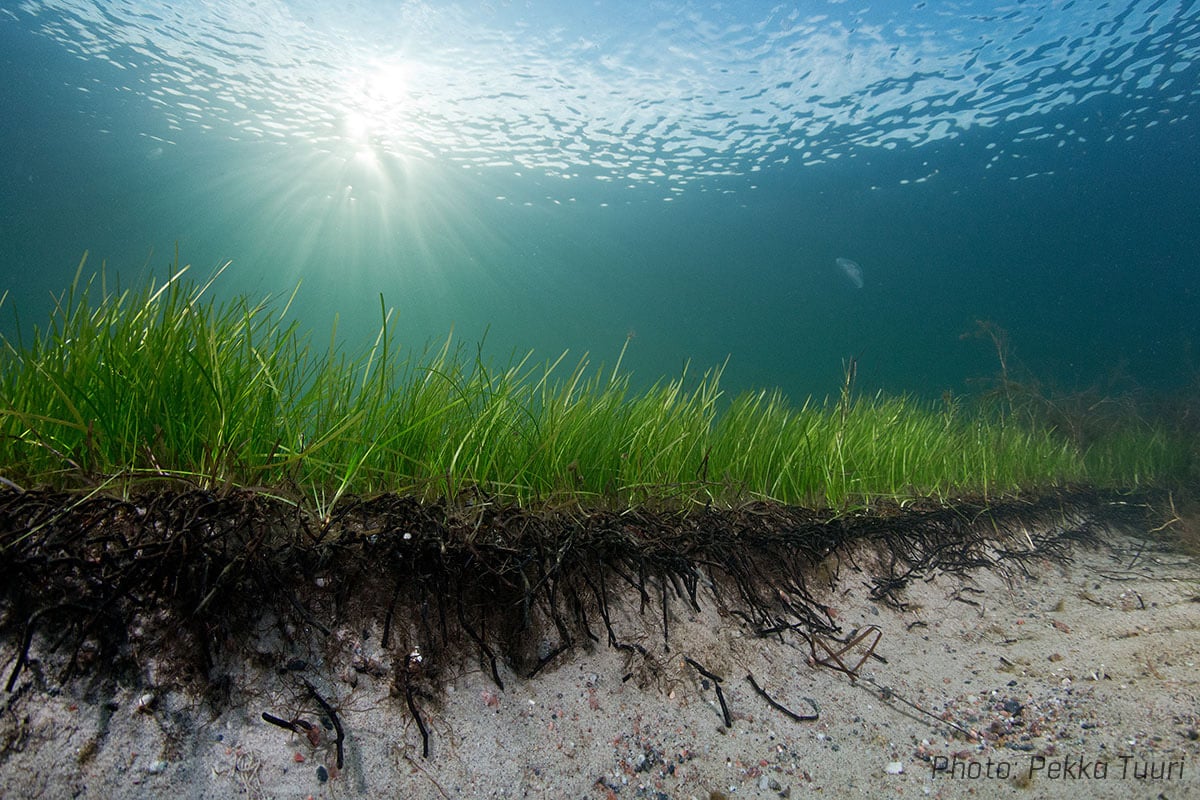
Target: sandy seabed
column 1075, row 679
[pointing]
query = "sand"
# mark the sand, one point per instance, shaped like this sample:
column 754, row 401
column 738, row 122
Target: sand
column 1070, row 679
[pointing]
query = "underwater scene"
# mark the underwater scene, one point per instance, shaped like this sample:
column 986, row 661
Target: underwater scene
column 603, row 399
column 785, row 186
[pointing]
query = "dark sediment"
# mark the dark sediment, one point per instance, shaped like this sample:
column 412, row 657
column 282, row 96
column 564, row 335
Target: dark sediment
column 190, row 573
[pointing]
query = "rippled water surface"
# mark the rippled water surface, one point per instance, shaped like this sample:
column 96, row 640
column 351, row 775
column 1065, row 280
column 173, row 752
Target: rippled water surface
column 562, row 174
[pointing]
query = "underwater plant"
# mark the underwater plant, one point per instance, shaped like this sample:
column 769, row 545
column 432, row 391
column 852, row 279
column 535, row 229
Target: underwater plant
column 166, row 383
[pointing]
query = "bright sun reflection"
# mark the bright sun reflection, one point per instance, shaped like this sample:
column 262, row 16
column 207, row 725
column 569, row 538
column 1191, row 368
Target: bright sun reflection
column 376, row 101
column 363, row 199
column 357, row 126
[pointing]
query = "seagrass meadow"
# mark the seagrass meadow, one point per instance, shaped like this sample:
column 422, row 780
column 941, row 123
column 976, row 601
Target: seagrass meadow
column 162, row 385
column 181, row 473
column 604, row 400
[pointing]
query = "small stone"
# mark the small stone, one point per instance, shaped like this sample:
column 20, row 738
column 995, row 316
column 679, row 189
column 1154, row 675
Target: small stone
column 145, row 703
column 322, row 773
column 894, row 768
column 766, row 782
column 157, row 766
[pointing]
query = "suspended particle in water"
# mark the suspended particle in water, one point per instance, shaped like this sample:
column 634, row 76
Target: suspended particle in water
column 852, row 270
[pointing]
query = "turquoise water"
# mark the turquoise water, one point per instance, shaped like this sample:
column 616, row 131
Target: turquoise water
column 568, row 175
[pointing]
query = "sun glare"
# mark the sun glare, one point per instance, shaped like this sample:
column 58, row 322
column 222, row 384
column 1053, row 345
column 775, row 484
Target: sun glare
column 376, row 102
column 356, row 126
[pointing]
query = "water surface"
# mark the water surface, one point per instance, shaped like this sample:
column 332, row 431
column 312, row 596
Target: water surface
column 555, row 175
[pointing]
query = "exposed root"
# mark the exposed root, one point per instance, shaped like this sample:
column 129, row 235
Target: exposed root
column 516, row 587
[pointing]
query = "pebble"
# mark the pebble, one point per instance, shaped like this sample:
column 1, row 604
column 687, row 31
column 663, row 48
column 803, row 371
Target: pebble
column 157, row 766
column 766, row 782
column 894, row 768
column 322, row 773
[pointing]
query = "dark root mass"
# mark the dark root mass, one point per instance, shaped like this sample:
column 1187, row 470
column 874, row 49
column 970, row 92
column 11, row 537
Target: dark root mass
column 192, row 575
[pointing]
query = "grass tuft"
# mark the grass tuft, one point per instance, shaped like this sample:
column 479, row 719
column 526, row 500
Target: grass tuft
column 164, row 383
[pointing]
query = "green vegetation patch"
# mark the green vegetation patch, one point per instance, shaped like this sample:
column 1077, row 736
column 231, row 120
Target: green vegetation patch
column 193, row 481
column 164, row 383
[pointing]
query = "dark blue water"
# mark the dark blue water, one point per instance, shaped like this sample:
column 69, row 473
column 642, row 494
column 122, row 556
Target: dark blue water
column 683, row 174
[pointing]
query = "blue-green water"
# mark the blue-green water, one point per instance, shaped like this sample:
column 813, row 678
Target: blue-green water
column 566, row 175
